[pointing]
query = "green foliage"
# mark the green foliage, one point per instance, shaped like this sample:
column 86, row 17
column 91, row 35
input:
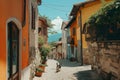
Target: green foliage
column 105, row 19
column 45, row 49
column 43, row 65
column 105, row 14
column 39, row 70
column 41, row 40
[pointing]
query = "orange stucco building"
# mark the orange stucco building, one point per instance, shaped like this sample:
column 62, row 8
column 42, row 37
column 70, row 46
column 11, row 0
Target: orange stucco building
column 82, row 11
column 73, row 34
column 14, row 37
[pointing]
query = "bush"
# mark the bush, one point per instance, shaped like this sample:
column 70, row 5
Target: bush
column 45, row 49
column 105, row 23
column 41, row 40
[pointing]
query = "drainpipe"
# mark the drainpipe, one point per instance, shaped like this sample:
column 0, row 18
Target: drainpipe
column 81, row 51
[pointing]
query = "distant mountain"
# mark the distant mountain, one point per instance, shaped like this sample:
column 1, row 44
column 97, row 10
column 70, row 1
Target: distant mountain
column 54, row 37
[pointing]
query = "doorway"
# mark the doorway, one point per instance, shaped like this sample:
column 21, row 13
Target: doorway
column 13, row 51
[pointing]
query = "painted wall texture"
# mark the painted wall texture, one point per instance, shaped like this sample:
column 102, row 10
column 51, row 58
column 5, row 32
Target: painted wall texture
column 12, row 9
column 73, row 32
column 83, row 14
column 64, row 39
column 86, row 11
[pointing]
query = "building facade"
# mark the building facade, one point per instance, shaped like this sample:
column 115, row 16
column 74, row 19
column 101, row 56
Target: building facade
column 69, row 40
column 104, row 45
column 43, row 29
column 82, row 11
column 64, row 39
column 59, row 54
column 14, row 33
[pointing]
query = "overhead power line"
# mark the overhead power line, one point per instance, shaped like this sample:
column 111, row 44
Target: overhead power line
column 56, row 8
column 56, row 5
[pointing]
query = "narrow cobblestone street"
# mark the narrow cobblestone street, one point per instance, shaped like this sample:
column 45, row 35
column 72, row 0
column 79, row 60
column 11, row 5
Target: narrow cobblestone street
column 69, row 71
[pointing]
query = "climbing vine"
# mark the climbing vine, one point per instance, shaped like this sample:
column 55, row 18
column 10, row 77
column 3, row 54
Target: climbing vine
column 105, row 24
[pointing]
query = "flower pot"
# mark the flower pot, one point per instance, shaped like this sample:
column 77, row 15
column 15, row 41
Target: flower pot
column 38, row 74
column 39, row 71
column 42, row 67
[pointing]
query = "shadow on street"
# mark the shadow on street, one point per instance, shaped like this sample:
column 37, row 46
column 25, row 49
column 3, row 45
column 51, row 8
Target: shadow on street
column 67, row 63
column 87, row 75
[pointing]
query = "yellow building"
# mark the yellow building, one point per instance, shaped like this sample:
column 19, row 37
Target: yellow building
column 73, row 36
column 82, row 11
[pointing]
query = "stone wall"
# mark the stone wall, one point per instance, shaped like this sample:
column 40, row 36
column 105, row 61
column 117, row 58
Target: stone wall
column 34, row 61
column 105, row 58
column 86, row 56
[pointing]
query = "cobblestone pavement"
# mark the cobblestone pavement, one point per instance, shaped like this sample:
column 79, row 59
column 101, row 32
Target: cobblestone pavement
column 69, row 71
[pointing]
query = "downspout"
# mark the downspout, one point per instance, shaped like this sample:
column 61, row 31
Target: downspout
column 81, row 51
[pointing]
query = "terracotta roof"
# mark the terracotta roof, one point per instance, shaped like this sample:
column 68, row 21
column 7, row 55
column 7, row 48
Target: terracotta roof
column 78, row 5
column 44, row 21
column 58, row 43
column 70, row 22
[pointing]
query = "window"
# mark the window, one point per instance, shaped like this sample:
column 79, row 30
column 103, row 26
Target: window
column 33, row 18
column 39, row 30
column 13, row 51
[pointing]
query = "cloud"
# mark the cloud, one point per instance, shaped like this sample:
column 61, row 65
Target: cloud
column 57, row 22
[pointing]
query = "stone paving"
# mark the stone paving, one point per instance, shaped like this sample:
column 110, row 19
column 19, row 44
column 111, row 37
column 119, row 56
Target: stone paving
column 69, row 71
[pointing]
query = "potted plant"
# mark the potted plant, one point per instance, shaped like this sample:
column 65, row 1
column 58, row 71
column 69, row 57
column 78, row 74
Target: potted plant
column 45, row 49
column 42, row 66
column 39, row 72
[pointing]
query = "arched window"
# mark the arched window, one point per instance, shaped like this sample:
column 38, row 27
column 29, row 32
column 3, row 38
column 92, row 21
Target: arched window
column 13, row 51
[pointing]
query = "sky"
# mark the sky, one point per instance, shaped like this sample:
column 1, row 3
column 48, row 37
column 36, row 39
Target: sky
column 57, row 11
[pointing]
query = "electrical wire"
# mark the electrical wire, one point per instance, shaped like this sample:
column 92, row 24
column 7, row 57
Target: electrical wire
column 55, row 8
column 56, row 5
